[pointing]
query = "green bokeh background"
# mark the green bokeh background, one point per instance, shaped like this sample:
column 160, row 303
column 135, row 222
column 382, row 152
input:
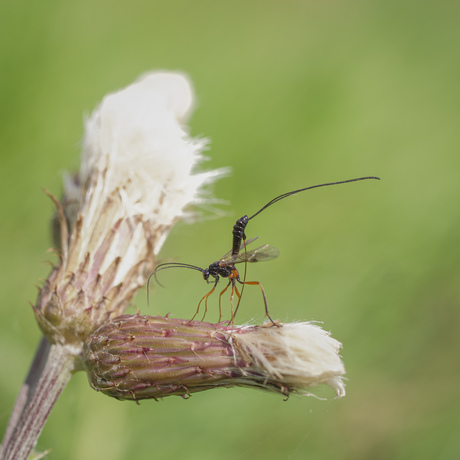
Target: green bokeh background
column 291, row 94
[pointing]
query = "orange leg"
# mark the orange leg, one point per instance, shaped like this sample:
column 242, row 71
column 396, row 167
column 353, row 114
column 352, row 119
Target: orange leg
column 244, row 279
column 234, row 289
column 205, row 298
column 220, row 300
column 254, row 283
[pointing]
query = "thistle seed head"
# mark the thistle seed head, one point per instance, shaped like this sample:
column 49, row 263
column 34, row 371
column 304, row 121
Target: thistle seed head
column 136, row 180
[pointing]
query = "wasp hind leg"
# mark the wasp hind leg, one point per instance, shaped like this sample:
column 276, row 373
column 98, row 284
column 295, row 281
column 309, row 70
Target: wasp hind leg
column 256, row 283
column 234, row 290
column 220, row 299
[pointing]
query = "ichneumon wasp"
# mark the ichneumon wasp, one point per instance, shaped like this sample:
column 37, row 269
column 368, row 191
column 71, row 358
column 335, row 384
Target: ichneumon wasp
column 225, row 266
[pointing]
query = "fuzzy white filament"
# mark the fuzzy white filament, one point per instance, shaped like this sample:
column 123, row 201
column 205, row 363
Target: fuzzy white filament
column 137, row 134
column 300, row 354
column 135, row 145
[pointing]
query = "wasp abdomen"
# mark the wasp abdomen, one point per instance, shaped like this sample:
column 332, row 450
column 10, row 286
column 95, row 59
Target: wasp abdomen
column 238, row 233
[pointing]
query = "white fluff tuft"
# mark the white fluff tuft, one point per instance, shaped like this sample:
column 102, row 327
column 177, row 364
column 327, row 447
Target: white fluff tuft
column 302, row 355
column 136, row 135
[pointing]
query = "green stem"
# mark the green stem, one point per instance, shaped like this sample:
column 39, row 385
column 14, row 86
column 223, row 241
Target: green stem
column 49, row 374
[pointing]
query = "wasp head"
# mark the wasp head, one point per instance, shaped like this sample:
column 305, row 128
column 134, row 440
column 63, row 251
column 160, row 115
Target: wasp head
column 206, row 274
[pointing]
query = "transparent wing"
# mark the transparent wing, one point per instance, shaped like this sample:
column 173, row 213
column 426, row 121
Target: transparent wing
column 229, row 256
column 260, row 254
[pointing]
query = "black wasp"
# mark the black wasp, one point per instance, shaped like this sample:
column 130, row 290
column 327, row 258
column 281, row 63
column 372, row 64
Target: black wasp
column 225, row 266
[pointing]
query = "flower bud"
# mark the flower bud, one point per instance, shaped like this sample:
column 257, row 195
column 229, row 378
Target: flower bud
column 136, row 357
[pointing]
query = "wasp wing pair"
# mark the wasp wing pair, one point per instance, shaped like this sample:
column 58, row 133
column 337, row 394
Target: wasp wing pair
column 260, row 254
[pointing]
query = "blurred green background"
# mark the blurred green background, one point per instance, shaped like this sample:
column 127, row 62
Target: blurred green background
column 291, row 94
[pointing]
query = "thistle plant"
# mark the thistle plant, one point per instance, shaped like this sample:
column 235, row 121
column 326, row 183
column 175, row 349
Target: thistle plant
column 137, row 178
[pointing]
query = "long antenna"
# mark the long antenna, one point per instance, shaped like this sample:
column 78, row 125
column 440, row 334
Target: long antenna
column 164, row 267
column 285, row 195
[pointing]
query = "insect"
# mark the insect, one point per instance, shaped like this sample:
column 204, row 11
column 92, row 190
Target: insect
column 225, row 266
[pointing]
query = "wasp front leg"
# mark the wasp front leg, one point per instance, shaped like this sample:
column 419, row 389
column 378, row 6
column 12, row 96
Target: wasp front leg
column 205, row 298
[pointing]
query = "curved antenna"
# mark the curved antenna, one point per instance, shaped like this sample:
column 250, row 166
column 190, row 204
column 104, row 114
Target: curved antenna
column 164, row 267
column 285, row 195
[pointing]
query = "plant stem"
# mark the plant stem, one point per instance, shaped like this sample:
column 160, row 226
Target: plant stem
column 48, row 375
